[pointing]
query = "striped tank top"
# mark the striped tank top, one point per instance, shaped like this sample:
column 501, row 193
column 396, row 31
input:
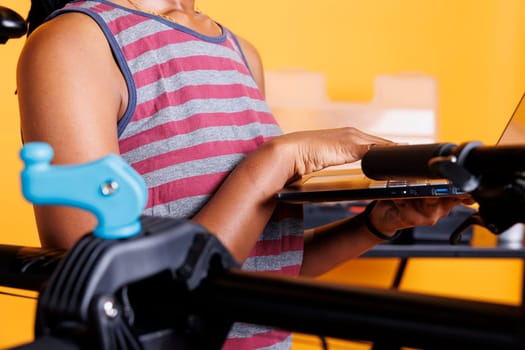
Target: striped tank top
column 194, row 113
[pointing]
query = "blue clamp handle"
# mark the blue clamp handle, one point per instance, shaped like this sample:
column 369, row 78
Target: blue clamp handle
column 107, row 187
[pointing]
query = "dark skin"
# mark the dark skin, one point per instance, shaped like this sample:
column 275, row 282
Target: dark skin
column 73, row 102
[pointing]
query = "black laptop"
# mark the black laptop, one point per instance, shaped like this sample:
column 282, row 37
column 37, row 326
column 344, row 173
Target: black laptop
column 353, row 184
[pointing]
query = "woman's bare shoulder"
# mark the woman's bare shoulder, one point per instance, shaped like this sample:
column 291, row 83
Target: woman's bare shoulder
column 68, row 34
column 67, row 80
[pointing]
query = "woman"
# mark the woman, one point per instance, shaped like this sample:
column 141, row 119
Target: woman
column 181, row 99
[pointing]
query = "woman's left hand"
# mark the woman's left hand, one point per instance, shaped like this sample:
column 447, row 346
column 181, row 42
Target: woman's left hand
column 389, row 216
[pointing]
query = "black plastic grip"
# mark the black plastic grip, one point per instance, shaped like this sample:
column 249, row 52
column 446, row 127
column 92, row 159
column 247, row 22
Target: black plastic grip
column 403, row 161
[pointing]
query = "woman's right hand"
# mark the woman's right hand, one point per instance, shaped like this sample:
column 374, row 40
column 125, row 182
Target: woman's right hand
column 316, row 150
column 245, row 201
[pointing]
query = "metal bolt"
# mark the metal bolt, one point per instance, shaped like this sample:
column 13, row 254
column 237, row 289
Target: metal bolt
column 109, row 187
column 110, row 309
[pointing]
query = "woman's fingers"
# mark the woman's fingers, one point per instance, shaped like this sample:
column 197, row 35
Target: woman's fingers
column 405, row 213
column 319, row 149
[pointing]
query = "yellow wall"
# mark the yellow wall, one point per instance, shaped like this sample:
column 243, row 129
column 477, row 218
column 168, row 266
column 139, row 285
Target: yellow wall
column 15, row 213
column 475, row 48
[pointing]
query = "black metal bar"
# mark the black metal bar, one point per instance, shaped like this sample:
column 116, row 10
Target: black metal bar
column 27, row 267
column 356, row 313
column 30, row 267
column 400, row 272
column 381, row 345
column 442, row 251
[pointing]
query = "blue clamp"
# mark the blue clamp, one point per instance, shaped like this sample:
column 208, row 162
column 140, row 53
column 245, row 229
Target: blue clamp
column 108, row 187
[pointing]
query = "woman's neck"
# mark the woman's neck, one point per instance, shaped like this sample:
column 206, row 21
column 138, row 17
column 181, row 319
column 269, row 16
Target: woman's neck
column 181, row 12
column 166, row 7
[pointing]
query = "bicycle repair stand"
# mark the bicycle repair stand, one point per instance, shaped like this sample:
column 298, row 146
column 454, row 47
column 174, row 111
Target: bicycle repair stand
column 158, row 283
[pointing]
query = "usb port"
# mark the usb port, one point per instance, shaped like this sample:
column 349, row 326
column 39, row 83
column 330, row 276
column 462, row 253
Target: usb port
column 441, row 191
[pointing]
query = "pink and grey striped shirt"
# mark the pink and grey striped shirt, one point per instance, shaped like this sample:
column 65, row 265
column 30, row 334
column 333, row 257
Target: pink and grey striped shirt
column 194, row 113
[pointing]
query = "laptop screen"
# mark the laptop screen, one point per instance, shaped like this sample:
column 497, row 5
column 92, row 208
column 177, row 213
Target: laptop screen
column 514, row 131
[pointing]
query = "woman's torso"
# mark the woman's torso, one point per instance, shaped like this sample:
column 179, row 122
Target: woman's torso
column 194, row 112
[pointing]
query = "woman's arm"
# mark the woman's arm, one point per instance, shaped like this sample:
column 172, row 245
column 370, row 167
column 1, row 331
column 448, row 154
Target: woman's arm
column 330, row 245
column 70, row 95
column 245, row 201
